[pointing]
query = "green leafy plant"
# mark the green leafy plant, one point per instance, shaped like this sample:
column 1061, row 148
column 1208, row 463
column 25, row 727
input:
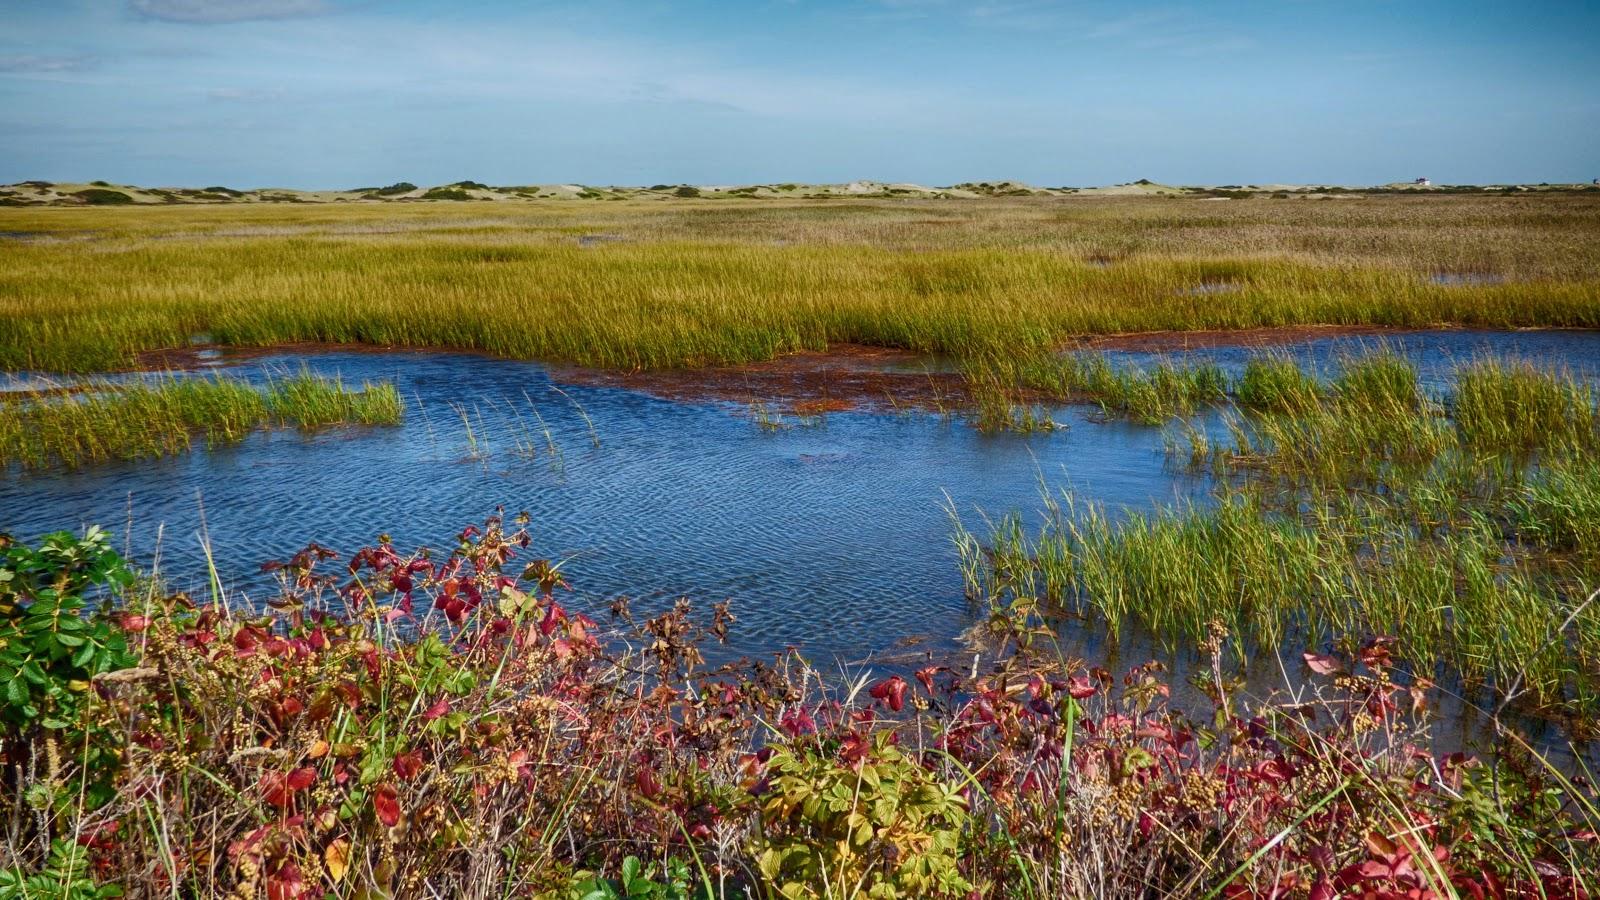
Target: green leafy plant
column 64, row 877
column 864, row 819
column 636, row 881
column 52, row 646
column 49, row 647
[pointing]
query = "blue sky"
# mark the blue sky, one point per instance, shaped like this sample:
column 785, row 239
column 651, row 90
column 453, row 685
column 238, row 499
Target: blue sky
column 343, row 93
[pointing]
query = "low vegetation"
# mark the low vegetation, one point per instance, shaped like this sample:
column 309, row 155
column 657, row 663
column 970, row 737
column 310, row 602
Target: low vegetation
column 706, row 283
column 415, row 725
column 101, row 421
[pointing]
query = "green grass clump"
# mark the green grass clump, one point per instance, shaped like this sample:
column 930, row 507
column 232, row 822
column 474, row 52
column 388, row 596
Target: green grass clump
column 1276, row 385
column 106, row 421
column 309, row 402
column 1326, row 570
column 1517, row 408
column 1559, row 507
column 1150, row 397
column 1382, row 380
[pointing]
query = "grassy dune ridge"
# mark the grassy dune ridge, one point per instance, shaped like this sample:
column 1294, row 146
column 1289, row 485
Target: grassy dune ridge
column 698, row 284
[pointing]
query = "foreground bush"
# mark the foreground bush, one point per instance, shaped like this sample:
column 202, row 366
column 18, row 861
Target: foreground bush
column 407, row 725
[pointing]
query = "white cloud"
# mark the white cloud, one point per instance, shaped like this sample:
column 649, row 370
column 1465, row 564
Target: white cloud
column 210, row 12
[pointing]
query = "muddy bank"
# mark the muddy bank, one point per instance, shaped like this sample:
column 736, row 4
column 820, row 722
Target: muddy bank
column 1178, row 341
column 845, row 376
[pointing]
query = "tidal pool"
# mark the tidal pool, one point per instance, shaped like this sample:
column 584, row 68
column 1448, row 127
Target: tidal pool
column 831, row 534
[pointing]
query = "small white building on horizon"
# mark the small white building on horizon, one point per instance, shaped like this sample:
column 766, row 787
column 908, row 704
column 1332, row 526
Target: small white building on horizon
column 1422, row 182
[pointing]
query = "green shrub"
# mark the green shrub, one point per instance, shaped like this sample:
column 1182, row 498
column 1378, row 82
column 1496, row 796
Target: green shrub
column 52, row 646
column 399, row 187
column 828, row 827
column 48, row 648
column 103, row 197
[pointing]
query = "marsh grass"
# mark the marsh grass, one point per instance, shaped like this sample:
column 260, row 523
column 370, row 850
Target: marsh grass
column 1462, row 526
column 1517, row 407
column 162, row 417
column 1559, row 507
column 709, row 282
column 1277, row 385
column 1381, row 380
column 1150, row 396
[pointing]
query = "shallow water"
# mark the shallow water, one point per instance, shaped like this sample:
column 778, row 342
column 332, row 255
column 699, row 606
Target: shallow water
column 1436, row 353
column 832, row 536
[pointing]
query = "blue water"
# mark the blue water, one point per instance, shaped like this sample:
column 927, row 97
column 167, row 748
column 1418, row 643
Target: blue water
column 1436, row 353
column 833, row 536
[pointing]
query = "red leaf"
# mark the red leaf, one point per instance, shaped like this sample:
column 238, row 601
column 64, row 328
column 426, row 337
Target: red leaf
column 645, row 781
column 408, row 765
column 437, row 710
column 891, row 691
column 302, row 779
column 1323, row 664
column 386, row 804
column 1079, row 687
column 287, row 883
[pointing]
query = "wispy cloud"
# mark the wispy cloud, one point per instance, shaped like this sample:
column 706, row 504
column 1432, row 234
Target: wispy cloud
column 46, row 64
column 214, row 12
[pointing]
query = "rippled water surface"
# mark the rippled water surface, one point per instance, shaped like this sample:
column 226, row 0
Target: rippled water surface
column 834, row 536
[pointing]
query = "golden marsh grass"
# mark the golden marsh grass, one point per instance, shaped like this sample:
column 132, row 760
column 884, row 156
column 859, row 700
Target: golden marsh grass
column 693, row 283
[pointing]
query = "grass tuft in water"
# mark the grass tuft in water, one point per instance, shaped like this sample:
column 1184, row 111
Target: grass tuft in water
column 1514, row 407
column 1277, row 385
column 105, row 421
column 1463, row 527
